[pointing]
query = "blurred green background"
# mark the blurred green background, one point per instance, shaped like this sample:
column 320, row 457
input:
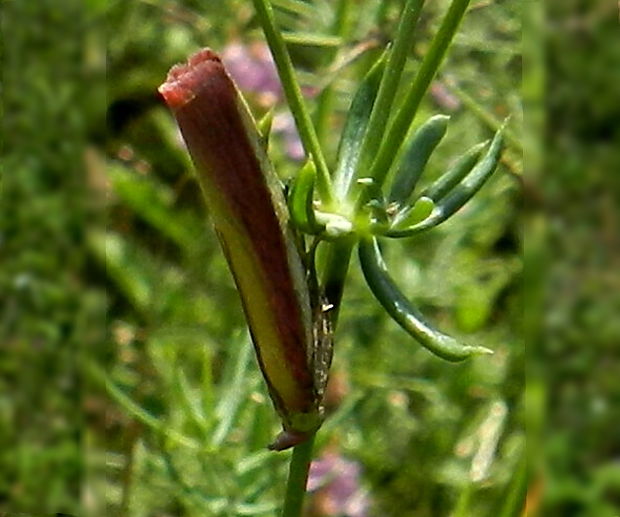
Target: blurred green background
column 127, row 383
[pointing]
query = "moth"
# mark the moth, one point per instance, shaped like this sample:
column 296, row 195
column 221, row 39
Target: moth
column 288, row 321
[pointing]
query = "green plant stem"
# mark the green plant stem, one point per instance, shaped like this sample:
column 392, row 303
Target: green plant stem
column 339, row 253
column 404, row 117
column 335, row 270
column 462, row 506
column 298, row 478
column 381, row 13
column 340, row 29
column 516, row 491
column 294, row 97
column 336, row 266
column 389, row 83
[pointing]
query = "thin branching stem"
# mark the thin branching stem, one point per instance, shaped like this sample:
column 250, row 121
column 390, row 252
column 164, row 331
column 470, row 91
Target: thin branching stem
column 404, row 117
column 294, row 97
column 338, row 255
column 341, row 28
column 390, row 81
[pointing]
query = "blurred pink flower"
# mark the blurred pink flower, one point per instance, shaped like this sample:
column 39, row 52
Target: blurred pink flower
column 443, row 97
column 252, row 68
column 335, row 482
column 284, row 125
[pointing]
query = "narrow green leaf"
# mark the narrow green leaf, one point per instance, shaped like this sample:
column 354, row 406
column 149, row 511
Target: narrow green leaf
column 403, row 42
column 422, row 208
column 152, row 202
column 292, row 90
column 447, row 181
column 403, row 312
column 399, row 126
column 311, row 39
column 264, row 127
column 300, row 200
column 355, row 128
column 296, row 7
column 419, row 150
column 462, row 193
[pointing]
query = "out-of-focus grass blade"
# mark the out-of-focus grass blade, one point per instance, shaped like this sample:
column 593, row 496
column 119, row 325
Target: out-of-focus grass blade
column 153, row 203
column 150, row 285
column 233, row 383
column 191, row 402
column 256, row 509
column 486, row 116
column 310, row 39
column 125, row 268
column 296, row 7
column 139, row 412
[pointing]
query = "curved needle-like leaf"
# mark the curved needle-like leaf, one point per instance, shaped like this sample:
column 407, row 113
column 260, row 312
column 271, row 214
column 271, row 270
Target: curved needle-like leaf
column 419, row 150
column 422, row 208
column 403, row 312
column 300, row 200
column 264, row 127
column 355, row 128
column 462, row 193
column 451, row 178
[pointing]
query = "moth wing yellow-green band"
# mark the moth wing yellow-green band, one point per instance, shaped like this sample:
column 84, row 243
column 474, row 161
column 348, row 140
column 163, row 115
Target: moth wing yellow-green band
column 250, row 216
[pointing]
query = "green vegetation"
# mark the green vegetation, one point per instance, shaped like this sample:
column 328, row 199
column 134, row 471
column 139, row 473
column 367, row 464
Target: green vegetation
column 128, row 385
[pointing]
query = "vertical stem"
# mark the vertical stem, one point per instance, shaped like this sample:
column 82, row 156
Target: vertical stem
column 134, row 430
column 462, row 506
column 339, row 253
column 381, row 13
column 336, row 266
column 430, row 64
column 297, row 479
column 389, row 83
column 335, row 273
column 294, row 97
column 513, row 503
column 326, row 99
